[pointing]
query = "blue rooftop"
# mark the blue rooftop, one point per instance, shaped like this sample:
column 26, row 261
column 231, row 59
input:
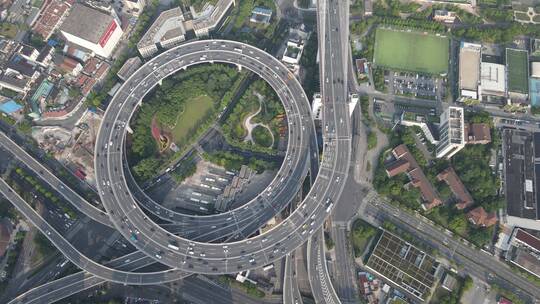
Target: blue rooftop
column 10, row 107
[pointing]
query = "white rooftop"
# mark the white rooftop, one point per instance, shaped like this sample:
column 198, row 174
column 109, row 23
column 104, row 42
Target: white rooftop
column 493, row 77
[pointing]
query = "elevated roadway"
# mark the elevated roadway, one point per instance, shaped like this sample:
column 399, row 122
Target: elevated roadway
column 225, row 258
column 333, row 31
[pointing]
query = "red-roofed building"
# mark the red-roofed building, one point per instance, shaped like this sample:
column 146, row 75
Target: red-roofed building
column 464, row 199
column 477, row 133
column 51, row 17
column 406, row 163
column 70, row 66
column 479, row 217
column 524, row 238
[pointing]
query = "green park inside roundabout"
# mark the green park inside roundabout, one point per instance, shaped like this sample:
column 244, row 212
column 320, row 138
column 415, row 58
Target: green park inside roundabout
column 175, row 115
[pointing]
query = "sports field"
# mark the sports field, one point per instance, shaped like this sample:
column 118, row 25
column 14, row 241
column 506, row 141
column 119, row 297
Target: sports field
column 517, row 63
column 411, row 51
column 195, row 109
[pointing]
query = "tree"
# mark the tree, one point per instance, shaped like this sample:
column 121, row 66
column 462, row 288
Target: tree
column 458, row 224
column 146, row 168
column 371, row 140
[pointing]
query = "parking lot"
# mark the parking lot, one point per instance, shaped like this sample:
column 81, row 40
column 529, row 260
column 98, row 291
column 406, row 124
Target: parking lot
column 414, row 85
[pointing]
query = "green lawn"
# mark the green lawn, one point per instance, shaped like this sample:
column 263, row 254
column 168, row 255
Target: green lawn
column 517, row 66
column 411, row 51
column 521, row 16
column 195, row 110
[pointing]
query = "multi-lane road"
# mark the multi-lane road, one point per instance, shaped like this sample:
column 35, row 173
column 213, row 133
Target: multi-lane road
column 257, row 251
column 473, row 261
column 250, row 253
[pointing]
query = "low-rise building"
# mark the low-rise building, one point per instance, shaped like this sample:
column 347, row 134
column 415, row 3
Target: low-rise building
column 134, row 6
column 261, row 15
column 294, row 49
column 449, row 282
column 92, row 29
column 479, row 217
column 362, row 68
column 524, row 251
column 477, row 133
column 469, row 70
column 51, row 17
column 444, row 16
column 461, row 194
column 492, row 80
column 406, row 163
column 520, row 151
column 404, row 265
column 168, row 30
column 10, row 107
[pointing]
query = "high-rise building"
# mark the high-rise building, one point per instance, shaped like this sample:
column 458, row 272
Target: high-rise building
column 451, row 132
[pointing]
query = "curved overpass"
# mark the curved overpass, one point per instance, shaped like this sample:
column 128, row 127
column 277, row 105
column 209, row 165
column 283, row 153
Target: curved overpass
column 199, row 257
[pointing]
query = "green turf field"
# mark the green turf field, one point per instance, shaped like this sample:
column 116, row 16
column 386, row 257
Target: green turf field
column 195, row 109
column 517, row 71
column 411, row 51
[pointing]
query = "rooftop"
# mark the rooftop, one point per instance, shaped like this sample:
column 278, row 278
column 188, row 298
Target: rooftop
column 10, row 107
column 406, row 163
column 86, row 23
column 50, row 17
column 527, row 239
column 469, row 66
column 520, row 149
column 479, row 217
column 493, row 77
column 464, row 199
column 209, row 23
column 404, row 264
column 168, row 25
column 477, row 133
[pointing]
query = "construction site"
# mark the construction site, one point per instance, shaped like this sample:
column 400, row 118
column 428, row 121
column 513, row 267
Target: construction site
column 73, row 148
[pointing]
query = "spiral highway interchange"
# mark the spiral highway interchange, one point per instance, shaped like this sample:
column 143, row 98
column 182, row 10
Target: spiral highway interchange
column 193, row 256
column 214, row 258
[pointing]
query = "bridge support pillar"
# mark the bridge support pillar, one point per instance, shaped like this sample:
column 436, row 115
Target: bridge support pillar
column 160, row 82
column 128, row 128
column 239, row 67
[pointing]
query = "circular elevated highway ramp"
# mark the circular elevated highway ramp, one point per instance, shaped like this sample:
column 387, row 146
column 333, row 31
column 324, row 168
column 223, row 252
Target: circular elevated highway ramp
column 215, row 258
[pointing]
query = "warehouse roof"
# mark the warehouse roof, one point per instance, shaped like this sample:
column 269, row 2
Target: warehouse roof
column 86, row 23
